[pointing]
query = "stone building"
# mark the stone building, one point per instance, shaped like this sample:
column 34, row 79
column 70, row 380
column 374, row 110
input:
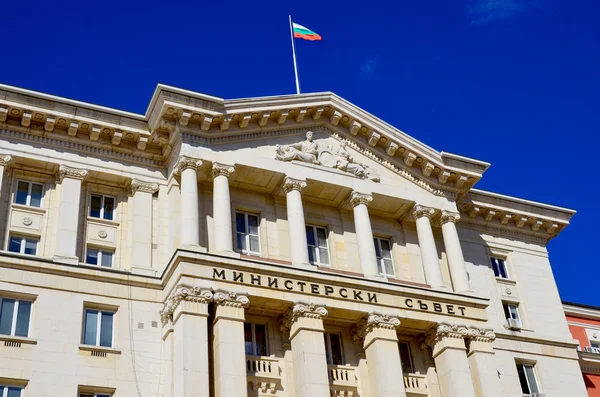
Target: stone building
column 289, row 246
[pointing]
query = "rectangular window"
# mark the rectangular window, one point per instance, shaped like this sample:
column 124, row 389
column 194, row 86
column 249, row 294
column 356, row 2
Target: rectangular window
column 99, row 256
column 102, row 207
column 248, row 240
column 406, row 358
column 98, row 328
column 29, row 193
column 499, row 267
column 22, row 244
column 527, row 378
column 8, row 391
column 14, row 317
column 383, row 251
column 255, row 338
column 333, row 348
column 318, row 250
column 511, row 311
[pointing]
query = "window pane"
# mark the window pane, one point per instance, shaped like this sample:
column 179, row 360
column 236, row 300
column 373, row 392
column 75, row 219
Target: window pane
column 14, row 244
column 405, row 357
column 95, row 206
column 253, row 224
column 531, row 378
column 241, row 241
column 30, row 246
column 107, row 259
column 311, row 254
column 377, row 250
column 36, row 195
column 23, row 316
column 248, row 339
column 523, row 379
column 513, row 312
column 102, row 395
column 502, row 268
column 494, row 263
column 254, row 246
column 322, row 237
column 506, row 312
column 106, row 331
column 323, row 256
column 240, row 223
column 310, row 236
column 109, row 207
column 260, row 332
column 14, row 392
column 386, row 249
column 327, row 350
column 6, row 316
column 91, row 327
column 336, row 349
column 22, row 190
column 389, row 267
column 92, row 256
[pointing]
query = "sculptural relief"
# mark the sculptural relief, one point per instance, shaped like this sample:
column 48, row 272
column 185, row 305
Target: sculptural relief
column 309, row 151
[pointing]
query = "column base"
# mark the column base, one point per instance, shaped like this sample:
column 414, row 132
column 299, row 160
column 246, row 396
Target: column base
column 193, row 247
column 66, row 259
column 146, row 271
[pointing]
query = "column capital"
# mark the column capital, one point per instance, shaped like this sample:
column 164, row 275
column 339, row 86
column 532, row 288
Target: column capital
column 65, row 171
column 5, row 159
column 142, row 186
column 290, row 184
column 357, row 198
column 185, row 162
column 373, row 321
column 231, row 299
column 449, row 216
column 481, row 335
column 420, row 211
column 219, row 169
column 301, row 310
column 444, row 330
column 183, row 292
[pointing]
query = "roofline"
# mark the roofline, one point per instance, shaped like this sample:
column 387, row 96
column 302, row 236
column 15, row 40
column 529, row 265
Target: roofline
column 464, row 158
column 581, row 310
column 524, row 201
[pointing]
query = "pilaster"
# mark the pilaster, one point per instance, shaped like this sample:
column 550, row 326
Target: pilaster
column 5, row 161
column 141, row 228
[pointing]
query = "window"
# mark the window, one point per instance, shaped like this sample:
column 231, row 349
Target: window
column 7, row 391
column 99, row 256
column 405, row 358
column 383, row 251
column 102, row 207
column 94, row 395
column 333, row 349
column 247, row 233
column 511, row 311
column 595, row 344
column 29, row 193
column 318, row 251
column 255, row 338
column 527, row 378
column 98, row 328
column 23, row 245
column 14, row 317
column 499, row 267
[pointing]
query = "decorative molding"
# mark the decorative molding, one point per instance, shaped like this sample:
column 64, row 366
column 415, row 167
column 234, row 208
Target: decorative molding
column 142, row 186
column 5, row 160
column 102, row 233
column 481, row 335
column 444, row 330
column 449, row 216
column 372, row 321
column 521, row 234
column 71, row 172
column 185, row 162
column 231, row 299
column 357, row 198
column 299, row 310
column 219, row 169
column 264, row 386
column 26, row 221
column 183, row 292
column 290, row 184
column 421, row 211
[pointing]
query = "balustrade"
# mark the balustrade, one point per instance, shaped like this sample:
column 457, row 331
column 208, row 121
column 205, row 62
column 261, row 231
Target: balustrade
column 263, row 373
column 416, row 385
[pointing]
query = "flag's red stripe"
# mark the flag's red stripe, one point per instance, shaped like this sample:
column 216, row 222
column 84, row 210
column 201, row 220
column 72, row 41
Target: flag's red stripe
column 311, row 37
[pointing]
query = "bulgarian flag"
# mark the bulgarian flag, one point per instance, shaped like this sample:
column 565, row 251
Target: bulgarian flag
column 301, row 32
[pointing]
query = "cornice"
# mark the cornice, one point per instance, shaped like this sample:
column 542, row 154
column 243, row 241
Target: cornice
column 590, row 313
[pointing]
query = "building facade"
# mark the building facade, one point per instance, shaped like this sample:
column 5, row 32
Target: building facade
column 584, row 323
column 290, row 246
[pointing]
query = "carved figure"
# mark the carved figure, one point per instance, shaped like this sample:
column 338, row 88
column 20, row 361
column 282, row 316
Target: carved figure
column 305, row 151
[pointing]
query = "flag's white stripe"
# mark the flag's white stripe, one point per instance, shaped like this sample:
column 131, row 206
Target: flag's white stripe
column 300, row 26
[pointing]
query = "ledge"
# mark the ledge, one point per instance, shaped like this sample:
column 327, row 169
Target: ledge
column 29, row 208
column 99, row 349
column 506, row 281
column 18, row 339
column 102, row 221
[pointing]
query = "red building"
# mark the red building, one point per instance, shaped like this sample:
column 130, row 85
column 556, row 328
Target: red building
column 584, row 323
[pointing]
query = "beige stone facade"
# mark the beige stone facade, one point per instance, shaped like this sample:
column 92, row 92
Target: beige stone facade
column 217, row 248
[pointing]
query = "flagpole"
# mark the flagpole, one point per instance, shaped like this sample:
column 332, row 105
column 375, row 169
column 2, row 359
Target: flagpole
column 294, row 54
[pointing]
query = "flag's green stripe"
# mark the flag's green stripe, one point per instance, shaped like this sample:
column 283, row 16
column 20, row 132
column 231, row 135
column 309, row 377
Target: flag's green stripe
column 303, row 31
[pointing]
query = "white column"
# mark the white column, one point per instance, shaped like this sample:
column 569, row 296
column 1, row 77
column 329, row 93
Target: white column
column 5, row 160
column 189, row 213
column 450, row 355
column 141, row 225
column 296, row 225
column 229, row 351
column 187, row 310
column 456, row 261
column 481, row 361
column 70, row 180
column 378, row 332
column 429, row 255
column 364, row 233
column 305, row 324
column 223, row 228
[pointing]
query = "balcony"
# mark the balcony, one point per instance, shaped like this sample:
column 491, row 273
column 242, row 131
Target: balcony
column 342, row 380
column 263, row 373
column 416, row 385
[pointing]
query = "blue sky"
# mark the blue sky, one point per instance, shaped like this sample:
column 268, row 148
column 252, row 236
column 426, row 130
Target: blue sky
column 512, row 82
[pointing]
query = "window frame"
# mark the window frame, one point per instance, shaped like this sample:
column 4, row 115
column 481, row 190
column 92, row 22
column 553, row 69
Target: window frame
column 329, row 349
column 410, row 358
column 84, row 394
column 247, row 234
column 253, row 332
column 102, row 213
column 504, row 265
column 535, row 378
column 507, row 309
column 316, row 246
column 380, row 260
column 98, row 327
column 29, row 187
column 24, row 239
column 100, row 250
column 4, row 389
column 15, row 314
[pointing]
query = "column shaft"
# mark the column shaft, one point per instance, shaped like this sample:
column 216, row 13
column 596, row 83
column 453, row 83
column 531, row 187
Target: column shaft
column 429, row 256
column 481, row 361
column 364, row 233
column 189, row 213
column 296, row 223
column 141, row 227
column 456, row 261
column 222, row 208
column 68, row 213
